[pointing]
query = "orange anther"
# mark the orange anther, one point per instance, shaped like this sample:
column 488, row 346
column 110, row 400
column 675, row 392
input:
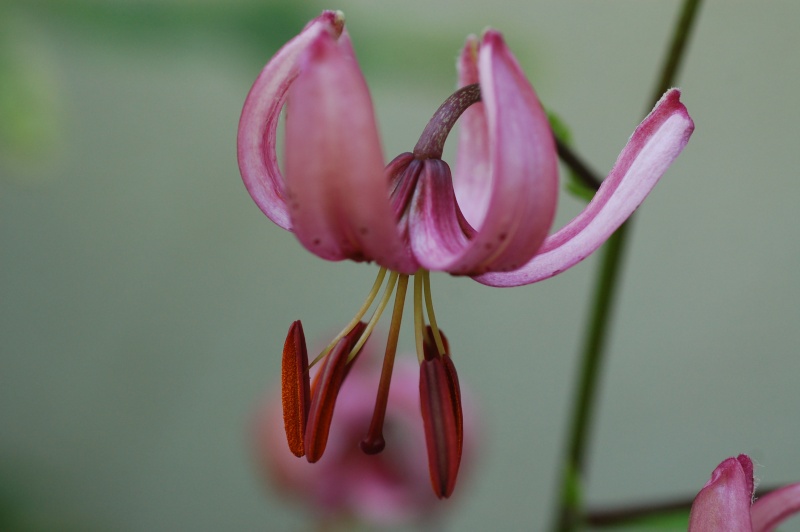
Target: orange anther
column 295, row 387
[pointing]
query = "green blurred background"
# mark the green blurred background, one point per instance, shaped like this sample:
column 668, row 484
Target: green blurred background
column 144, row 298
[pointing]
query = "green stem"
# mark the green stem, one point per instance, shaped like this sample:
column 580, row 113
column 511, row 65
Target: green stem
column 569, row 513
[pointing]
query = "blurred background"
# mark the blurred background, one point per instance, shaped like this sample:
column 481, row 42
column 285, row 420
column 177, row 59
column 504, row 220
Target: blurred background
column 144, row 298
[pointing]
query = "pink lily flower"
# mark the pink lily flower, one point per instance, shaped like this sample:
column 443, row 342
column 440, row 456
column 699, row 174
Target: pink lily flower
column 489, row 221
column 725, row 503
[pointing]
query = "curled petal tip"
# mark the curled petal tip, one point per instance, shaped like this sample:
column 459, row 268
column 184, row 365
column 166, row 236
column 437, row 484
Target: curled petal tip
column 258, row 124
column 724, row 502
column 333, row 19
column 491, row 35
column 652, row 148
column 295, row 388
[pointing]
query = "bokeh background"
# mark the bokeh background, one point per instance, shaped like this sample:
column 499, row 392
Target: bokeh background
column 144, row 298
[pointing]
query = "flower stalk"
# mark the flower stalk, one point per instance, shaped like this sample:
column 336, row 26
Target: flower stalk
column 569, row 506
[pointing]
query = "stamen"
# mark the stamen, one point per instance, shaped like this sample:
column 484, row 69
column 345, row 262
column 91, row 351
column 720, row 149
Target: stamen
column 426, row 279
column 441, row 415
column 295, row 388
column 387, row 294
column 326, row 388
column 418, row 318
column 357, row 318
column 374, row 442
column 355, row 334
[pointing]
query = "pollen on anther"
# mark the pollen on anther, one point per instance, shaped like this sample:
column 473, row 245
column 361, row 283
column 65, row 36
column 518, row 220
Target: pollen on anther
column 295, row 388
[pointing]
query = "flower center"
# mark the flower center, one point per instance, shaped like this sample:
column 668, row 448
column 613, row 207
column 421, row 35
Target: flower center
column 308, row 409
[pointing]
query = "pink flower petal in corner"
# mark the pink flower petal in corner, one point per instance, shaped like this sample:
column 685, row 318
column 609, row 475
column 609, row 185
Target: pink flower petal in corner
column 655, row 144
column 723, row 505
column 772, row 509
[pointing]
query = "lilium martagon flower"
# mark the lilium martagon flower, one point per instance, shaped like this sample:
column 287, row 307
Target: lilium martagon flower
column 726, row 502
column 489, row 220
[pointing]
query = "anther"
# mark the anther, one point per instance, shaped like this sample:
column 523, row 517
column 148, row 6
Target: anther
column 440, row 402
column 295, row 388
column 326, row 389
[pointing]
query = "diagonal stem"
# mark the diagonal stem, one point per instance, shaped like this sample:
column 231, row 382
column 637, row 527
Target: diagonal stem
column 569, row 510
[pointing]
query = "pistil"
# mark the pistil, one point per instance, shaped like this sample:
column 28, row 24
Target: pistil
column 374, row 442
column 431, row 142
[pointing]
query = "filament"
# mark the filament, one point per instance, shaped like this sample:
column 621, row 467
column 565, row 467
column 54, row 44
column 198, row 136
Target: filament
column 418, row 318
column 437, row 337
column 357, row 318
column 387, row 294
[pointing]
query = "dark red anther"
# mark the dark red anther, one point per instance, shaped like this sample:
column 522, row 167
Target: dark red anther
column 295, row 387
column 440, row 402
column 327, row 383
column 455, row 397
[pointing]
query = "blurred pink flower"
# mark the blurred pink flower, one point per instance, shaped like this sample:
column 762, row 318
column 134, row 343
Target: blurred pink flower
column 725, row 504
column 389, row 488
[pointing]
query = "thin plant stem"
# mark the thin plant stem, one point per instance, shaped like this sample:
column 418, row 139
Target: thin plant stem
column 569, row 514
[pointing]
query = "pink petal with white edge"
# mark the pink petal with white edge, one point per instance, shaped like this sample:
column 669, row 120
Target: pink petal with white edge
column 472, row 177
column 258, row 124
column 524, row 176
column 654, row 145
column 772, row 509
column 723, row 505
column 337, row 194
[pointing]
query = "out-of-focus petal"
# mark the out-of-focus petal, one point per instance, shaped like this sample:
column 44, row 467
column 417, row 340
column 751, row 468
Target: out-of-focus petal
column 472, row 178
column 654, row 145
column 772, row 509
column 258, row 123
column 523, row 167
column 337, row 195
column 723, row 505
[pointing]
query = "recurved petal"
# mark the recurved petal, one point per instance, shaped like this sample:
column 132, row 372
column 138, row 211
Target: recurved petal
column 258, row 124
column 522, row 168
column 654, row 145
column 337, row 195
column 772, row 509
column 472, row 178
column 724, row 502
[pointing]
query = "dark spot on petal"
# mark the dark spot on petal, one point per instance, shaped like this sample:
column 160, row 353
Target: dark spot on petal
column 363, row 230
column 487, row 245
column 316, row 241
column 502, row 236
